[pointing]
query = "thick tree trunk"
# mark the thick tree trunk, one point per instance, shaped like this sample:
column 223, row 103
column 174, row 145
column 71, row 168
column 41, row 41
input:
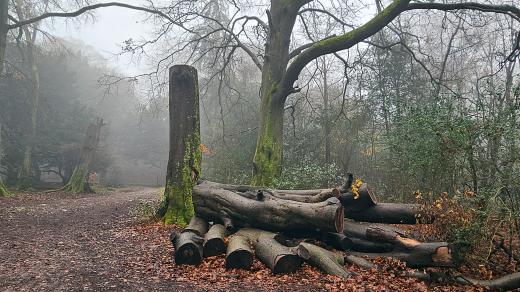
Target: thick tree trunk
column 236, row 209
column 214, row 243
column 184, row 157
column 78, row 182
column 267, row 162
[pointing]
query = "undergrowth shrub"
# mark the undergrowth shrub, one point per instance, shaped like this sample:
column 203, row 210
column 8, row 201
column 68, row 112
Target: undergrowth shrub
column 469, row 220
column 309, row 175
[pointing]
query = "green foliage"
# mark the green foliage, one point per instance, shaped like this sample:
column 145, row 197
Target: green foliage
column 309, row 175
column 3, row 190
column 144, row 211
column 427, row 148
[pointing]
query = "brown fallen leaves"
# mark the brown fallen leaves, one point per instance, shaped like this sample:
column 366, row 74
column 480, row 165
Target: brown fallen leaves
column 211, row 274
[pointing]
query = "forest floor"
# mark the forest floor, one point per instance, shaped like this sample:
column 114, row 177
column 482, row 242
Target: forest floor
column 59, row 241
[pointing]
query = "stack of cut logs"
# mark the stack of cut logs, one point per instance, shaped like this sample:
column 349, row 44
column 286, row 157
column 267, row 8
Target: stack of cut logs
column 284, row 228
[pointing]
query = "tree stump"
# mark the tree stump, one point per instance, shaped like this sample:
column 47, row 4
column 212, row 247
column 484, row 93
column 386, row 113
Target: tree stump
column 78, row 182
column 184, row 156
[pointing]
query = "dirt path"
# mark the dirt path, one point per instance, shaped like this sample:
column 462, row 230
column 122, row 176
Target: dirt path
column 89, row 242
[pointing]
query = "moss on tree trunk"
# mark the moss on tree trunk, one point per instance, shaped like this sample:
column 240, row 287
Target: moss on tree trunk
column 185, row 154
column 267, row 161
column 78, row 181
column 3, row 190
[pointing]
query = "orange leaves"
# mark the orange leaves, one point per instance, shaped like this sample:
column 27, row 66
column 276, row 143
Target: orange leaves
column 355, row 188
column 204, row 149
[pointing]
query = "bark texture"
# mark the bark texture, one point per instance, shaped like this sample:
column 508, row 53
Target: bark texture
column 188, row 248
column 359, row 201
column 389, row 213
column 267, row 161
column 279, row 258
column 267, row 212
column 327, row 261
column 239, row 254
column 197, row 225
column 184, row 156
column 78, row 182
column 214, row 243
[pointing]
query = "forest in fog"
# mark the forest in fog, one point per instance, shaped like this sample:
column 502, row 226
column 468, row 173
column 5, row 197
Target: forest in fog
column 418, row 107
column 419, row 100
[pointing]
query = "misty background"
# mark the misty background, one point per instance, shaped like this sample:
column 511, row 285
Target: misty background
column 436, row 113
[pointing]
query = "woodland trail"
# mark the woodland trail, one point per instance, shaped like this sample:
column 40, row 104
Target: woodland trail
column 69, row 242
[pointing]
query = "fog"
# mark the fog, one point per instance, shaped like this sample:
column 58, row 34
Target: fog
column 398, row 109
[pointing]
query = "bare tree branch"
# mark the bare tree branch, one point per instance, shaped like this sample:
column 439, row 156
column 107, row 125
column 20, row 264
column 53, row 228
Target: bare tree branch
column 89, row 8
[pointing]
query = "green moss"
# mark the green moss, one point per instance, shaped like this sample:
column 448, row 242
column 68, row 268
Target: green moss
column 3, row 190
column 268, row 154
column 177, row 203
column 379, row 21
column 77, row 182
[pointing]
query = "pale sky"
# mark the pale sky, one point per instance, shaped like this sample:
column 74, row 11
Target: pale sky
column 112, row 26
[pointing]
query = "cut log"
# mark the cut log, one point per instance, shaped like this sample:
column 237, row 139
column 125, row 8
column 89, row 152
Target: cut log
column 327, row 261
column 188, row 248
column 197, row 225
column 337, row 240
column 390, row 213
column 416, row 253
column 214, row 241
column 505, row 283
column 307, row 196
column 434, row 254
column 303, row 196
column 363, row 245
column 279, row 258
column 358, row 261
column 239, row 254
column 358, row 202
column 357, row 229
column 379, row 234
column 270, row 213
